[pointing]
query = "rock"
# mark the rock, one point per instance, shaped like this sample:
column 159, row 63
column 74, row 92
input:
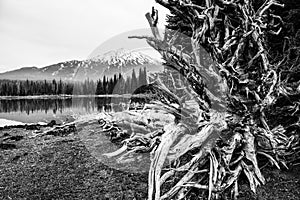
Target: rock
column 62, row 131
column 52, row 123
column 32, row 127
column 15, row 138
column 7, row 146
column 5, row 135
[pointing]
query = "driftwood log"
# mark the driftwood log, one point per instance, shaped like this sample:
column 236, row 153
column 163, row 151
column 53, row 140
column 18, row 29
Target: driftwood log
column 239, row 98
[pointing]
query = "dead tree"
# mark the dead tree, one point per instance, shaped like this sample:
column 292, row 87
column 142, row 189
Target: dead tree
column 238, row 100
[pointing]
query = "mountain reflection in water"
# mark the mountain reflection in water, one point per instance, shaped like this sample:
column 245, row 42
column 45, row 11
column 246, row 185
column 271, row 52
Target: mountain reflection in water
column 45, row 109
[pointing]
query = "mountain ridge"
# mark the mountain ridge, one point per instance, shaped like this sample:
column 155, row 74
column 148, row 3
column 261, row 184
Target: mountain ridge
column 113, row 62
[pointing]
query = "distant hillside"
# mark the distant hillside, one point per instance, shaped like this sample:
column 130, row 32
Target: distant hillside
column 113, row 62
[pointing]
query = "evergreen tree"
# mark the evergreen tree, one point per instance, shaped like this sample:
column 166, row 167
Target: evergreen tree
column 99, row 88
column 104, row 82
column 60, row 87
column 142, row 76
column 134, row 81
column 119, row 87
column 127, row 88
column 54, row 87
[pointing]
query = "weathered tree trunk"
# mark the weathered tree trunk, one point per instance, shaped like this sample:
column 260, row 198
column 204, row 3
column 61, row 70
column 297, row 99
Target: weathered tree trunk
column 235, row 97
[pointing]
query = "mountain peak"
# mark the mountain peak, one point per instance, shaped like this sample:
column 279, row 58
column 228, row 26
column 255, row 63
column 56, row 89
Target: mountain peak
column 123, row 57
column 114, row 62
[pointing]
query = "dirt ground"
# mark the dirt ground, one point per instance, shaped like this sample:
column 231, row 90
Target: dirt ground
column 60, row 167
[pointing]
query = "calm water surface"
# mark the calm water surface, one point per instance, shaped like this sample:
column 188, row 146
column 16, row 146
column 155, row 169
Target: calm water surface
column 59, row 109
column 63, row 110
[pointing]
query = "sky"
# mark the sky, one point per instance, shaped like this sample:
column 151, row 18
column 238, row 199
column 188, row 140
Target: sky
column 44, row 32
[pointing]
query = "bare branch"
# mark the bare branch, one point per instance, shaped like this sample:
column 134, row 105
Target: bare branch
column 267, row 5
column 152, row 20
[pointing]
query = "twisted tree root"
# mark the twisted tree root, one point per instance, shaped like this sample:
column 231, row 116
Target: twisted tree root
column 230, row 145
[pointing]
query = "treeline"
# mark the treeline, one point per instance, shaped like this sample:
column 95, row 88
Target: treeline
column 29, row 88
column 116, row 84
column 123, row 85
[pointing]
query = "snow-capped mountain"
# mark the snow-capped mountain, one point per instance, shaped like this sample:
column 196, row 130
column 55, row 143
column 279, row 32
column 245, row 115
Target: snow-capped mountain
column 118, row 61
column 121, row 58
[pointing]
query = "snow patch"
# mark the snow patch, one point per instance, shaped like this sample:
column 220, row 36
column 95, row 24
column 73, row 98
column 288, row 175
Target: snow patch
column 6, row 122
column 76, row 70
column 124, row 57
column 43, row 70
column 54, row 73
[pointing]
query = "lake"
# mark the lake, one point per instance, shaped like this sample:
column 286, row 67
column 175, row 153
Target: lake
column 43, row 109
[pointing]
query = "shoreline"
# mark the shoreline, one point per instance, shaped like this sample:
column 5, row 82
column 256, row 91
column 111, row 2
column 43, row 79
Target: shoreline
column 57, row 165
column 20, row 125
column 63, row 96
column 71, row 96
column 64, row 168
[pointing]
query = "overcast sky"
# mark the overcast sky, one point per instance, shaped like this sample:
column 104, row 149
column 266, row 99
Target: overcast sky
column 43, row 32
